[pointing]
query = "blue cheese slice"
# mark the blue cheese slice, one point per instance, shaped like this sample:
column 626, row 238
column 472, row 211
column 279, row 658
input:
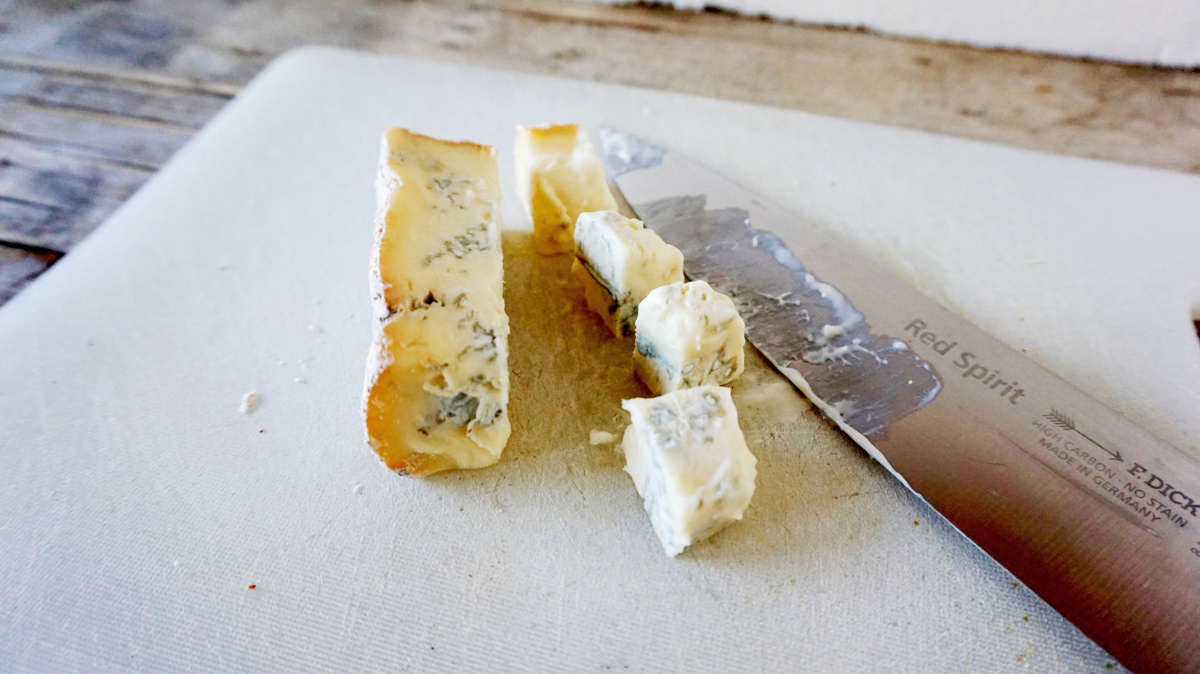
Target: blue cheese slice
column 437, row 372
column 619, row 262
column 689, row 462
column 559, row 176
column 688, row 335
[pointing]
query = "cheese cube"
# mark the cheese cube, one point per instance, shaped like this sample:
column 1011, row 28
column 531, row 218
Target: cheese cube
column 559, row 176
column 689, row 462
column 619, row 262
column 688, row 335
column 437, row 372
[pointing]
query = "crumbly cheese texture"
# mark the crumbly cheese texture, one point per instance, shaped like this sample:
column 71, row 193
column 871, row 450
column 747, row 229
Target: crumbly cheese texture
column 559, row 176
column 437, row 373
column 688, row 335
column 689, row 462
column 619, row 262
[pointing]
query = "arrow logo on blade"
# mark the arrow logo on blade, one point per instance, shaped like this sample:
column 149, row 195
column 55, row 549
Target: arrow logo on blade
column 1067, row 424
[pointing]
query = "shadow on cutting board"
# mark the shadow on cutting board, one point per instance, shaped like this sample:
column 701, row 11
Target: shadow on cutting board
column 568, row 377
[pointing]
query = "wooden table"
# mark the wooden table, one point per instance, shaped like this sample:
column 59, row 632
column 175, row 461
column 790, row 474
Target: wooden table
column 96, row 96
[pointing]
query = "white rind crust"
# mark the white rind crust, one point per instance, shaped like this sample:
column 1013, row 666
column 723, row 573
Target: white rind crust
column 379, row 355
column 559, row 177
column 689, row 462
column 437, row 400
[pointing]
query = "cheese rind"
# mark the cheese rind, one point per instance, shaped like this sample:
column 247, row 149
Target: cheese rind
column 688, row 335
column 689, row 462
column 437, row 373
column 620, row 262
column 559, row 176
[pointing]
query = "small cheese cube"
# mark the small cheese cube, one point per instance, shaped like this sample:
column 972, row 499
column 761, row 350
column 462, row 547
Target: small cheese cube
column 689, row 462
column 688, row 335
column 559, row 176
column 620, row 262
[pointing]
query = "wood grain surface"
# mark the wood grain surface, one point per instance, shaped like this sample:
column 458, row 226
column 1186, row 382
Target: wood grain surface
column 96, row 95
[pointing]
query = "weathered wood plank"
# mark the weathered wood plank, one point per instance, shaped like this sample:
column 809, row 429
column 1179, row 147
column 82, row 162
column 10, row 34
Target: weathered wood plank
column 42, row 185
column 1099, row 110
column 20, row 266
column 16, row 83
column 74, row 149
column 164, row 36
column 98, row 32
column 182, row 109
column 23, row 221
column 116, row 88
column 52, row 200
column 120, row 140
column 1138, row 115
column 31, row 65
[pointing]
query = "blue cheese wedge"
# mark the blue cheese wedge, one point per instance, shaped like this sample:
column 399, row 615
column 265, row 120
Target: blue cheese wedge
column 688, row 335
column 437, row 373
column 559, row 176
column 689, row 462
column 619, row 262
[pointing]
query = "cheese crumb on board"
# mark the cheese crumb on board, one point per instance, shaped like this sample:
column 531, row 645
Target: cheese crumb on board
column 601, row 437
column 437, row 373
column 250, row 402
column 619, row 262
column 688, row 335
column 689, row 463
column 559, row 176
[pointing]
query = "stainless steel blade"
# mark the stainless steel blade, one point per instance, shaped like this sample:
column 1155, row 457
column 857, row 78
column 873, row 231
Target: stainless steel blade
column 1096, row 515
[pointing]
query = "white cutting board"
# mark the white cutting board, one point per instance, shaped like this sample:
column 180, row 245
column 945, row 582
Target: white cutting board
column 137, row 504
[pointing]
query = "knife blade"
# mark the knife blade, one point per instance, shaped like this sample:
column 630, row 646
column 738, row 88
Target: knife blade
column 1094, row 514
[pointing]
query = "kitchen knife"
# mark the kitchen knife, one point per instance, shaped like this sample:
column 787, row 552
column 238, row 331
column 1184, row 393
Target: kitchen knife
column 1095, row 515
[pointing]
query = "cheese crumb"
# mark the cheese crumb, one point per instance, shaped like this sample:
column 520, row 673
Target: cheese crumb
column 601, row 438
column 250, row 402
column 223, row 266
column 315, row 329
